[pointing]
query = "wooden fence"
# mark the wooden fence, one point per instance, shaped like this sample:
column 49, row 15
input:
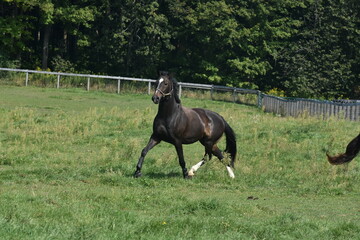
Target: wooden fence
column 295, row 107
column 282, row 106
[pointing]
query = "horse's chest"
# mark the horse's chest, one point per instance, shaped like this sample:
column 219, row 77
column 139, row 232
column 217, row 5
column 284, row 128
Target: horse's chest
column 162, row 129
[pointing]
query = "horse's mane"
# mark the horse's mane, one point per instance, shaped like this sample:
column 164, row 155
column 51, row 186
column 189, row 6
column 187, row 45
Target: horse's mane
column 175, row 89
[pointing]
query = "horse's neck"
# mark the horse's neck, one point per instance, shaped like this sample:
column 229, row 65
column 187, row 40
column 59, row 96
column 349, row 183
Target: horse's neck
column 169, row 107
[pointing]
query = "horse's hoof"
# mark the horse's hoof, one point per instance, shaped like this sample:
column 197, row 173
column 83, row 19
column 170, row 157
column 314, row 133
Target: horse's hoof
column 188, row 176
column 137, row 174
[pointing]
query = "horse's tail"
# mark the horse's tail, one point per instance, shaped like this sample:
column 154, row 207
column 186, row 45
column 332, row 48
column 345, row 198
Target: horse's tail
column 230, row 143
column 352, row 150
column 339, row 159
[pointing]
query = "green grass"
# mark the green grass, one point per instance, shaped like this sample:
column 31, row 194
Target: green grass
column 67, row 158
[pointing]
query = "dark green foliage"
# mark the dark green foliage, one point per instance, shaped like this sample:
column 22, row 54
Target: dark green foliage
column 305, row 48
column 323, row 58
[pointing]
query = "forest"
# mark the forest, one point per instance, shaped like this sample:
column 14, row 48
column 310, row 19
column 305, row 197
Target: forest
column 308, row 48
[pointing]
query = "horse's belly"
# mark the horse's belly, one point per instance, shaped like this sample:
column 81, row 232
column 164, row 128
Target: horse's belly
column 193, row 136
column 190, row 140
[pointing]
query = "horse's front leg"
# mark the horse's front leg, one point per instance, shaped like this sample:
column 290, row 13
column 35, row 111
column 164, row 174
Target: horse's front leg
column 179, row 150
column 152, row 143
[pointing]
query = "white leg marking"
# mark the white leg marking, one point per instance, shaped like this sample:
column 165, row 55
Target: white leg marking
column 195, row 168
column 230, row 171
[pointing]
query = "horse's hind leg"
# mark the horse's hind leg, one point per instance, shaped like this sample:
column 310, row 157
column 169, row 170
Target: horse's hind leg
column 207, row 156
column 216, row 151
column 198, row 165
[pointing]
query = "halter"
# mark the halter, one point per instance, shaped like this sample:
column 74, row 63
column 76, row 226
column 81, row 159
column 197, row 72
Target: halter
column 165, row 94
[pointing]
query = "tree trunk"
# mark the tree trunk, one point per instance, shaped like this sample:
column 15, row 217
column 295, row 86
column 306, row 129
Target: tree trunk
column 45, row 51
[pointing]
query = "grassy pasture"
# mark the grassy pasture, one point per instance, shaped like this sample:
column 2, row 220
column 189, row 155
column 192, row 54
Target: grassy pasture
column 67, row 157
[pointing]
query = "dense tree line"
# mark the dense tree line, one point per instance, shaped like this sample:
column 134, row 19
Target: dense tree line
column 308, row 48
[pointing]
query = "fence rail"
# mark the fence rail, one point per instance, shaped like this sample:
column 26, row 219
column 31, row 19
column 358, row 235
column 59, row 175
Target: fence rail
column 299, row 106
column 283, row 106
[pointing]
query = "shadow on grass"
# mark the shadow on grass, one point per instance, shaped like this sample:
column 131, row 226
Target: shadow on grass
column 159, row 175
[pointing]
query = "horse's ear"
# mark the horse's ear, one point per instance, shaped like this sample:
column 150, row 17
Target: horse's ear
column 163, row 73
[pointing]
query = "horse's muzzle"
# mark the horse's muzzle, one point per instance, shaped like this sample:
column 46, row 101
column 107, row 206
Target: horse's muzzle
column 156, row 99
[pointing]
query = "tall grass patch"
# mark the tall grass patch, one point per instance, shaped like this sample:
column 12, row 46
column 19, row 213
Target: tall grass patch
column 67, row 157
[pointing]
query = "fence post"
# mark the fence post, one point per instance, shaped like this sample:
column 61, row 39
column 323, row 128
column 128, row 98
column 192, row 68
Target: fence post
column 180, row 91
column 259, row 103
column 88, row 84
column 27, row 78
column 118, row 89
column 58, row 82
column 211, row 92
column 149, row 88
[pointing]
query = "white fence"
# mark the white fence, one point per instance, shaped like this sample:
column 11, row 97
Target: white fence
column 58, row 75
column 283, row 106
column 88, row 76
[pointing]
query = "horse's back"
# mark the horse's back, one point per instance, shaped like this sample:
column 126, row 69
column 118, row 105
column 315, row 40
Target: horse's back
column 214, row 124
column 209, row 116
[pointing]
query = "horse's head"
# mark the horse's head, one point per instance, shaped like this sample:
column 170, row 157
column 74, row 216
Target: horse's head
column 166, row 86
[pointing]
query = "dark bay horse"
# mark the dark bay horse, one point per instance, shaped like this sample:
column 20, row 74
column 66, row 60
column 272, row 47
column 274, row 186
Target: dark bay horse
column 179, row 125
